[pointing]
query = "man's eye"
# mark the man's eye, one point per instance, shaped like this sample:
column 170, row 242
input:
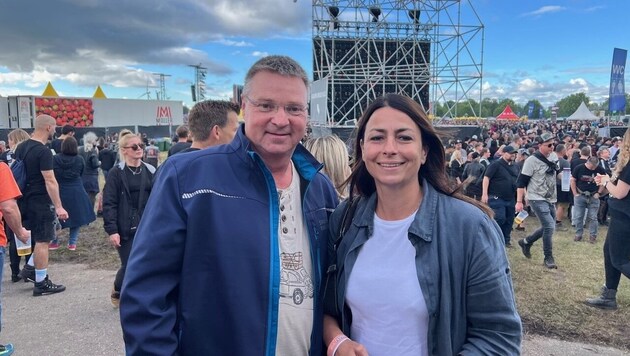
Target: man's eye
column 266, row 106
column 294, row 109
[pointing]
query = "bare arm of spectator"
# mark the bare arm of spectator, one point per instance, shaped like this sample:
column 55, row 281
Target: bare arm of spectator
column 53, row 191
column 11, row 214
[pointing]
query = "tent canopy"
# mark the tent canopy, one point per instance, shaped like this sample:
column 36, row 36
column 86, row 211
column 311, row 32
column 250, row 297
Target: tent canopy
column 507, row 114
column 582, row 113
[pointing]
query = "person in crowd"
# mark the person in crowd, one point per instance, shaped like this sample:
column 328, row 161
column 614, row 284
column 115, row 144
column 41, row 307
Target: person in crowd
column 455, row 166
column 107, row 157
column 333, row 153
column 429, row 257
column 68, row 167
column 539, row 178
column 15, row 137
column 125, row 197
column 40, row 204
column 270, row 266
column 603, row 153
column 9, row 213
column 3, row 148
column 485, row 155
column 182, row 140
column 66, row 131
column 586, row 196
column 151, row 154
column 498, row 191
column 564, row 196
column 521, row 156
column 473, row 177
column 89, row 152
column 617, row 245
column 211, row 123
column 614, row 151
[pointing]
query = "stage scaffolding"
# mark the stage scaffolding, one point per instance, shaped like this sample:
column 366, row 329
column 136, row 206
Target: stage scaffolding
column 429, row 50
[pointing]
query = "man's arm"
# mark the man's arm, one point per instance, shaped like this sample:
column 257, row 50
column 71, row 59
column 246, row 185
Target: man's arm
column 149, row 299
column 53, row 192
column 11, row 214
column 484, row 189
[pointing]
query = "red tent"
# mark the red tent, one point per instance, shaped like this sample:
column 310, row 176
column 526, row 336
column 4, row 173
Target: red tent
column 507, row 114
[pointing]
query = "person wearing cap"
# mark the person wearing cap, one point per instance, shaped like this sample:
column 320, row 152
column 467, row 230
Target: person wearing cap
column 539, row 178
column 498, row 187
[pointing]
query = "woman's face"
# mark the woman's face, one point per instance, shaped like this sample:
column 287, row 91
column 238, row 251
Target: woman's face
column 134, row 142
column 392, row 148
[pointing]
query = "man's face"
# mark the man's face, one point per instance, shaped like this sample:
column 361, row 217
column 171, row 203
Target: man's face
column 228, row 131
column 275, row 133
column 546, row 148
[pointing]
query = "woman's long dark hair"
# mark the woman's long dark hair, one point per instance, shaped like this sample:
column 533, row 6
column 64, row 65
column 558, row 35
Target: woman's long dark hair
column 434, row 168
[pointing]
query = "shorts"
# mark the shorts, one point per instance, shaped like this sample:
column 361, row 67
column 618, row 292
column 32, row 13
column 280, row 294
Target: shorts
column 564, row 197
column 39, row 216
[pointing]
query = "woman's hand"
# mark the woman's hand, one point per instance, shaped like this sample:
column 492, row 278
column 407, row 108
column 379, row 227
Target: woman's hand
column 115, row 240
column 351, row 348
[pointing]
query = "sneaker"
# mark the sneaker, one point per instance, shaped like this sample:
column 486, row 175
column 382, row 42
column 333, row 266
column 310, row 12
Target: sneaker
column 53, row 246
column 6, row 350
column 16, row 278
column 115, row 298
column 28, row 273
column 46, row 287
column 577, row 238
column 72, row 247
column 560, row 227
column 525, row 248
column 592, row 239
column 550, row 263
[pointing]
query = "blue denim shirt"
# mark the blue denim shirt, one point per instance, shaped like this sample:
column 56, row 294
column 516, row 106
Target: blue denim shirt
column 462, row 269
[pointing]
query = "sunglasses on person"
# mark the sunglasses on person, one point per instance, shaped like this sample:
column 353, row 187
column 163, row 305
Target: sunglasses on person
column 549, row 145
column 136, row 146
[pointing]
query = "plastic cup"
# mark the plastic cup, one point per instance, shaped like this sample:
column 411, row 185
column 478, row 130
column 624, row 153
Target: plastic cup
column 521, row 217
column 23, row 249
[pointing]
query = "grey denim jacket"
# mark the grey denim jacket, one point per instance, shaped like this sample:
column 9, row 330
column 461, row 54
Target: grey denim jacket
column 462, row 269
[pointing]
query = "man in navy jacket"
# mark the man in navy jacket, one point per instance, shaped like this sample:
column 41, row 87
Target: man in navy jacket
column 230, row 253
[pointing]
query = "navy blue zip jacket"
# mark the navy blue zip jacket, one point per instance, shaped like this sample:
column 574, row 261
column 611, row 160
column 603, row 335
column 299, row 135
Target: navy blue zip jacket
column 203, row 275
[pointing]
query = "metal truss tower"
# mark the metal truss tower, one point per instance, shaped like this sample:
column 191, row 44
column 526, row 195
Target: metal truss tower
column 430, row 50
column 161, row 93
column 198, row 90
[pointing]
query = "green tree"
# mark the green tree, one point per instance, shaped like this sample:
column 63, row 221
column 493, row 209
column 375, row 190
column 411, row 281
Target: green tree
column 568, row 105
column 488, row 106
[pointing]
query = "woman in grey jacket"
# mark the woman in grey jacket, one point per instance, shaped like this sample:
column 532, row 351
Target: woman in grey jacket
column 421, row 269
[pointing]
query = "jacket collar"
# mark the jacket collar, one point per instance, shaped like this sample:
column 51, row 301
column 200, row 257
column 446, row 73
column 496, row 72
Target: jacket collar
column 422, row 225
column 306, row 165
column 150, row 168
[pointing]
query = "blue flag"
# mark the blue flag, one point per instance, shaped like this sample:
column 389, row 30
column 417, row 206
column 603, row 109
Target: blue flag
column 617, row 94
column 530, row 110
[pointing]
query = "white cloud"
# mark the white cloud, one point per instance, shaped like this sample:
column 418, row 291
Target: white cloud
column 231, row 43
column 544, row 10
column 260, row 54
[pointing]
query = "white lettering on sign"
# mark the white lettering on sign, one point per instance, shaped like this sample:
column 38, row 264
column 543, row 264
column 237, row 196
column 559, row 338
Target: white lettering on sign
column 618, row 69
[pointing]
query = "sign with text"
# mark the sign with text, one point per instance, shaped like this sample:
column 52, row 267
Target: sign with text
column 617, row 94
column 163, row 116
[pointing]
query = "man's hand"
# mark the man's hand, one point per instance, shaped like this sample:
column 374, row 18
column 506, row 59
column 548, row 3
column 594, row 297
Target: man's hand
column 62, row 214
column 23, row 234
column 484, row 198
column 518, row 207
column 115, row 240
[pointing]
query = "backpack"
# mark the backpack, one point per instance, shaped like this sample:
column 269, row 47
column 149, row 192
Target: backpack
column 18, row 168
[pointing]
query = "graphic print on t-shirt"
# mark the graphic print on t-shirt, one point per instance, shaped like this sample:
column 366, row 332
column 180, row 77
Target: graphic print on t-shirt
column 295, row 281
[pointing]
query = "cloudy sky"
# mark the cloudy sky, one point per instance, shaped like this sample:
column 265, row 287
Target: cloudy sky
column 541, row 50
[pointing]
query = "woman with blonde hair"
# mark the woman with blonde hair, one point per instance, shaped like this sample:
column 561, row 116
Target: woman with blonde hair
column 15, row 138
column 125, row 195
column 333, row 153
column 456, row 166
column 617, row 245
column 89, row 152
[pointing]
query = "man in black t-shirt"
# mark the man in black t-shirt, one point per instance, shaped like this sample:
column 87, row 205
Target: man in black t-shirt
column 499, row 190
column 66, row 131
column 182, row 141
column 107, row 157
column 40, row 204
column 586, row 197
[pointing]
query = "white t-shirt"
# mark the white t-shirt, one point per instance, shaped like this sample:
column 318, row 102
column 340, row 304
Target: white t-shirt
column 295, row 309
column 389, row 314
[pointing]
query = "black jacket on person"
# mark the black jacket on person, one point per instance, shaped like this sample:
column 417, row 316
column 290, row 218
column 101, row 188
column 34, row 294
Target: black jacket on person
column 91, row 161
column 117, row 204
column 107, row 158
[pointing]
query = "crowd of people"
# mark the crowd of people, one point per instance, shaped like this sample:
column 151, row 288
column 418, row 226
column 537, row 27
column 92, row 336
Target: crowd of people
column 399, row 249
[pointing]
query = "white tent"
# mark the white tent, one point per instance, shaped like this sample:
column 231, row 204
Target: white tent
column 582, row 113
